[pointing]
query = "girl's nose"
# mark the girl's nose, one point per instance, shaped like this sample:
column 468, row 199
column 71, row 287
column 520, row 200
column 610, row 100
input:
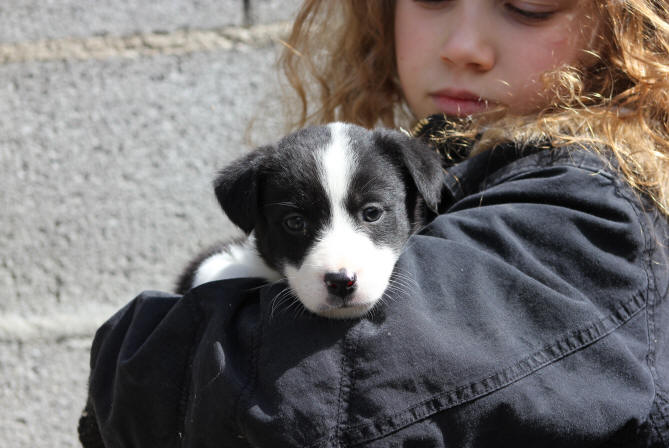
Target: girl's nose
column 467, row 44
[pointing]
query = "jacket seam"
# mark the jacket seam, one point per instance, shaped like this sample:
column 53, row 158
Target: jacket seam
column 336, row 434
column 650, row 279
column 345, row 386
column 561, row 348
column 660, row 419
column 184, row 400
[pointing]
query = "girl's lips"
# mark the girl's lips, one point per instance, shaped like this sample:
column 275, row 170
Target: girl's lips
column 460, row 103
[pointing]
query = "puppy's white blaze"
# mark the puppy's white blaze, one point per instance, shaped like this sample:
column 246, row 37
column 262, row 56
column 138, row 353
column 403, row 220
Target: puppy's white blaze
column 336, row 166
column 236, row 261
column 341, row 245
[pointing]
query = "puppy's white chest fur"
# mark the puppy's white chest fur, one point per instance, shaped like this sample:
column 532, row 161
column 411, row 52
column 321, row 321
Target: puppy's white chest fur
column 236, row 260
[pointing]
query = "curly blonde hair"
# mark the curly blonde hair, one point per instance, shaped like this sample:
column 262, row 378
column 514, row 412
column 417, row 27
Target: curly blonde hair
column 339, row 59
column 340, row 62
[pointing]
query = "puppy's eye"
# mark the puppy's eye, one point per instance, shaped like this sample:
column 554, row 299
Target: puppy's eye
column 294, row 223
column 372, row 213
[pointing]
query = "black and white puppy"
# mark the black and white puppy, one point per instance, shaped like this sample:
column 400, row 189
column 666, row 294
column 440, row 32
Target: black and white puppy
column 328, row 208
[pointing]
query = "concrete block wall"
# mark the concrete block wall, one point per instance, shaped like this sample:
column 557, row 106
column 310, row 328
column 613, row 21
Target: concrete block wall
column 114, row 117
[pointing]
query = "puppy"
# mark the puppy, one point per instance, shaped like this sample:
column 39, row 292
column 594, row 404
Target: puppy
column 328, row 208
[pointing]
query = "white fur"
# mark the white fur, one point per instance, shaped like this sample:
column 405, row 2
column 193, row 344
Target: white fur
column 341, row 245
column 236, row 261
column 336, row 166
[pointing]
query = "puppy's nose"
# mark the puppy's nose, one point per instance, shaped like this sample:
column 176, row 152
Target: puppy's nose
column 340, row 283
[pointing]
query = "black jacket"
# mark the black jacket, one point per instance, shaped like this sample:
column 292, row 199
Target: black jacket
column 532, row 312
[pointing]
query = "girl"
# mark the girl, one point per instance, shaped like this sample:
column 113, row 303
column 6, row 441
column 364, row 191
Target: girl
column 577, row 71
column 537, row 313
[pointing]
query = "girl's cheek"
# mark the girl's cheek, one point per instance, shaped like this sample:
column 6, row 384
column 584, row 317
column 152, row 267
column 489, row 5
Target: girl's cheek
column 550, row 53
column 567, row 42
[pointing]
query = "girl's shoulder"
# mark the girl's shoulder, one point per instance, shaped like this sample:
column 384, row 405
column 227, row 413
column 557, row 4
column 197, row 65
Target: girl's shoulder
column 470, row 169
column 509, row 161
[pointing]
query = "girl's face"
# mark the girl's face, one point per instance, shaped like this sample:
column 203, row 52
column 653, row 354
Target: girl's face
column 461, row 57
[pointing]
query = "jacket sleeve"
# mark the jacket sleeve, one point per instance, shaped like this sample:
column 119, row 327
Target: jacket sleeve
column 516, row 318
column 525, row 306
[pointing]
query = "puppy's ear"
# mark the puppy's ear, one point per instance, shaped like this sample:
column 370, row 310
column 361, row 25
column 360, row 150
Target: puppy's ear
column 236, row 188
column 421, row 162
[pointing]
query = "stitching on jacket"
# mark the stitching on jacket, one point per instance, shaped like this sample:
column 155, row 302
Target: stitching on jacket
column 564, row 346
column 659, row 421
column 650, row 278
column 187, row 376
column 345, row 385
column 659, row 413
column 335, row 433
column 342, row 398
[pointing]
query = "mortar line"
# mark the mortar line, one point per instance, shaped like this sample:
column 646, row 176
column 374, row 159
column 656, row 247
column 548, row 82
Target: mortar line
column 183, row 41
column 53, row 327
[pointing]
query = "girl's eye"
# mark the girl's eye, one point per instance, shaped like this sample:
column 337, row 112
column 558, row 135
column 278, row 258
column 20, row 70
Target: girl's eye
column 295, row 223
column 372, row 213
column 527, row 14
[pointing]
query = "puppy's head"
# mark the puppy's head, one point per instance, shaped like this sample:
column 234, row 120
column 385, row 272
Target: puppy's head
column 331, row 208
